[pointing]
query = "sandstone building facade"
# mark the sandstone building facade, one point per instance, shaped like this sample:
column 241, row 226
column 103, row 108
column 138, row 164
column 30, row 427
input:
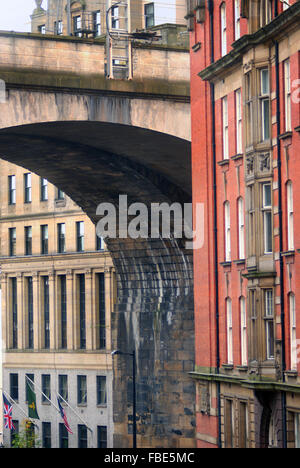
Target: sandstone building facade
column 58, row 293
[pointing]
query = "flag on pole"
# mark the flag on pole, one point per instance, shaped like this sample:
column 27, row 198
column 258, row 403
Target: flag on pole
column 8, row 414
column 63, row 415
column 31, row 397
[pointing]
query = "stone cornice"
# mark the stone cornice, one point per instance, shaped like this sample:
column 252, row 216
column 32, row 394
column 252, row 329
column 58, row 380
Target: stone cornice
column 269, row 32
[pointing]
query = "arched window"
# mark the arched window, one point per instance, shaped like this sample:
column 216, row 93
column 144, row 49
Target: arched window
column 290, row 215
column 243, row 319
column 241, row 228
column 223, row 29
column 227, row 232
column 229, row 331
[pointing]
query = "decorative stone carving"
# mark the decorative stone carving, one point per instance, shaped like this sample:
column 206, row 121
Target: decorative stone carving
column 250, row 165
column 264, row 162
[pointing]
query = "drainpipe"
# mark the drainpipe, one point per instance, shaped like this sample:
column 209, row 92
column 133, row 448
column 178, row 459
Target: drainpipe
column 212, row 97
column 283, row 350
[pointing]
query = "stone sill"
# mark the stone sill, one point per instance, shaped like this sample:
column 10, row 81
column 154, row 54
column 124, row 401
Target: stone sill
column 237, row 157
column 225, row 264
column 224, row 162
column 288, row 253
column 242, row 368
column 240, row 261
column 227, row 367
column 291, row 374
column 297, row 129
column 285, row 135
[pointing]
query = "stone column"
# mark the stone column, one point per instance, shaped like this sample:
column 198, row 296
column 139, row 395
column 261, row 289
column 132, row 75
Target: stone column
column 52, row 309
column 71, row 301
column 22, row 320
column 89, row 301
column 108, row 278
column 36, row 311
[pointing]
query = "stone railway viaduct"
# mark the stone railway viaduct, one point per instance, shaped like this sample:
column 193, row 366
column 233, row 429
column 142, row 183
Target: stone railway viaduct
column 96, row 139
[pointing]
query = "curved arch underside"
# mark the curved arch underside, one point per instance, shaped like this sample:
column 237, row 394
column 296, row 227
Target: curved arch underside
column 95, row 162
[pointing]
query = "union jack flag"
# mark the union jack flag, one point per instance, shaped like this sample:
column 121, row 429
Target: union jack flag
column 63, row 415
column 8, row 414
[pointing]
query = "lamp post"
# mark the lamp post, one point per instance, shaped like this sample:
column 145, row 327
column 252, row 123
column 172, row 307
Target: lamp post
column 114, row 353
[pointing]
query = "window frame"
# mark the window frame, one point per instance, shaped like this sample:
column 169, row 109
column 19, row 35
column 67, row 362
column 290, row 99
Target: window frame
column 223, row 28
column 225, row 128
column 267, row 219
column 287, row 96
column 12, row 190
column 268, row 297
column 28, row 187
column 229, row 330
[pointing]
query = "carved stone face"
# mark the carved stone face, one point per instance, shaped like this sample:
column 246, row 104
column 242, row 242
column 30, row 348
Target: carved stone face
column 38, row 3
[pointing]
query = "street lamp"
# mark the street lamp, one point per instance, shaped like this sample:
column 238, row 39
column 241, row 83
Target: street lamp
column 114, row 353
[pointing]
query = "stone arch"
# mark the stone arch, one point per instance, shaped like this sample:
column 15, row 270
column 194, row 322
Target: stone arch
column 97, row 161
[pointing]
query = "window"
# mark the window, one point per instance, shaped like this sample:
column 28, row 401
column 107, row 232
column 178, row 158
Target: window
column 287, row 96
column 63, row 311
column 101, row 335
column 46, row 387
column 28, row 240
column 97, row 23
column 229, row 331
column 265, row 12
column 267, row 218
column 223, row 30
column 61, row 237
column 80, row 236
column 101, row 390
column 60, row 195
column 265, row 104
column 269, row 323
column 249, row 109
column 243, row 318
column 77, row 26
column 44, row 189
column 82, row 324
column 81, row 390
column 42, row 29
column 225, row 128
column 12, row 242
column 293, row 333
column 251, row 215
column 115, row 21
column 82, row 436
column 239, row 128
column 44, row 239
column 12, row 190
column 290, row 215
column 101, row 437
column 228, row 420
column 237, row 19
column 63, row 436
column 31, row 377
column 149, row 15
column 46, row 316
column 99, row 243
column 63, row 386
column 243, row 425
column 46, row 434
column 58, row 27
column 253, row 316
column 14, row 386
column 14, row 312
column 27, row 188
column 30, row 311
column 297, row 429
column 241, row 228
column 227, row 232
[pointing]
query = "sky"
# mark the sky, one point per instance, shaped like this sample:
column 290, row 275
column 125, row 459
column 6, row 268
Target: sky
column 15, row 14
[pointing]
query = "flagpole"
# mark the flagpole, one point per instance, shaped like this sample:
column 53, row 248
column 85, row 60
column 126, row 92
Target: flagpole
column 18, row 406
column 76, row 414
column 35, row 385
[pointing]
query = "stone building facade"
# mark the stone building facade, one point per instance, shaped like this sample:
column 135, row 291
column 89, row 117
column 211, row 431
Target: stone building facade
column 245, row 133
column 58, row 291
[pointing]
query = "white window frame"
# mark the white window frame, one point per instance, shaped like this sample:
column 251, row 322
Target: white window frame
column 269, row 323
column 239, row 127
column 241, row 228
column 237, row 19
column 243, row 318
column 227, row 232
column 265, row 105
column 267, row 219
column 290, row 215
column 225, row 128
column 293, row 331
column 229, row 331
column 287, row 96
column 223, row 29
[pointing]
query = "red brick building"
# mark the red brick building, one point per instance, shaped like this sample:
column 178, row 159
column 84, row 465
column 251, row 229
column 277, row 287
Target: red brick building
column 245, row 91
